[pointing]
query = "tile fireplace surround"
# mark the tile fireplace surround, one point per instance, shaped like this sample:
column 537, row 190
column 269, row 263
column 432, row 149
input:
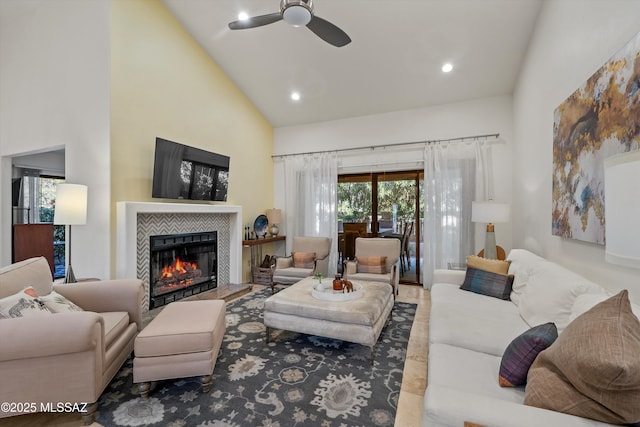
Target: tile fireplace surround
column 137, row 221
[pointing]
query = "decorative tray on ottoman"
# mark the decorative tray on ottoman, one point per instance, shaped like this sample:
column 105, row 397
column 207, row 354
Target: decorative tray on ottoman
column 324, row 291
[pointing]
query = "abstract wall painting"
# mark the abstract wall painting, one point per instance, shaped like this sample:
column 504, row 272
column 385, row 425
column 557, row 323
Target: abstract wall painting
column 598, row 120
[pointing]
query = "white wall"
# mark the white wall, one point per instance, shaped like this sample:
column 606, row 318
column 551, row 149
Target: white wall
column 54, row 93
column 50, row 162
column 482, row 116
column 573, row 38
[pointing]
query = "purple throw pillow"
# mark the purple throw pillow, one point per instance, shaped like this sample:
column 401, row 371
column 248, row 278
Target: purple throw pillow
column 522, row 351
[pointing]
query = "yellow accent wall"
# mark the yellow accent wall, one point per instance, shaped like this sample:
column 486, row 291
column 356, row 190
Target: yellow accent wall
column 164, row 84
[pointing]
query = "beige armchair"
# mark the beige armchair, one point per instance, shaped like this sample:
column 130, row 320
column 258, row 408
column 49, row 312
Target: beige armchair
column 287, row 272
column 375, row 247
column 67, row 356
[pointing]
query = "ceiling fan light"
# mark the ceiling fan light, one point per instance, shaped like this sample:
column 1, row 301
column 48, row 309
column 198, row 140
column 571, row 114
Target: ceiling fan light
column 296, row 15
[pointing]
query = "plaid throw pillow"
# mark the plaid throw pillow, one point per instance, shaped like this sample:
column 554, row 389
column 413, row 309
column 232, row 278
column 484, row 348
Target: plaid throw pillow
column 303, row 259
column 372, row 264
column 522, row 351
column 488, row 283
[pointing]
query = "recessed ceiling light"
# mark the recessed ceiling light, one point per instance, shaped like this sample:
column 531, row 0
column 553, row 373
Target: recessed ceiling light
column 447, row 67
column 242, row 16
column 295, row 96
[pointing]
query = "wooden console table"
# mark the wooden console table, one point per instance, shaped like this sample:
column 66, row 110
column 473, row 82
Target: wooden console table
column 256, row 248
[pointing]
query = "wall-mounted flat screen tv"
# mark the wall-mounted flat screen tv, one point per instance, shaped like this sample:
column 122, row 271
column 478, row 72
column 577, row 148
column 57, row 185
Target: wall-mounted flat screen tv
column 183, row 172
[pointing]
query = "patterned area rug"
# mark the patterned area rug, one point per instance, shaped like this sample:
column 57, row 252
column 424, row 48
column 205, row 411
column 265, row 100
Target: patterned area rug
column 295, row 380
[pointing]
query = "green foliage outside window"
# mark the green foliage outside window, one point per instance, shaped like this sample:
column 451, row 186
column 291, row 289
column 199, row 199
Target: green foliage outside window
column 355, row 204
column 46, row 215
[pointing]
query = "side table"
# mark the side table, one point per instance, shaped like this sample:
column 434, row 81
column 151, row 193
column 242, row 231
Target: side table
column 256, row 256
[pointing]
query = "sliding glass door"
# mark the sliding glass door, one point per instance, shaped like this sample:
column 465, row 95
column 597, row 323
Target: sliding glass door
column 388, row 205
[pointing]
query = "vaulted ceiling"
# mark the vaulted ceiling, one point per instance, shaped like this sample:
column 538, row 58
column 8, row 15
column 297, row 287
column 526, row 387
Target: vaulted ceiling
column 393, row 62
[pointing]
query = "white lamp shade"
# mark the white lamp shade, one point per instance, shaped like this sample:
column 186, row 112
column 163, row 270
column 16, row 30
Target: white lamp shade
column 622, row 209
column 71, row 204
column 490, row 212
column 274, row 215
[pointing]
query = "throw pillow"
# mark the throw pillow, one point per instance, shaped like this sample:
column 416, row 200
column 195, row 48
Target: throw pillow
column 487, row 283
column 22, row 304
column 550, row 294
column 493, row 265
column 585, row 302
column 593, row 368
column 521, row 353
column 56, row 303
column 372, row 264
column 304, row 259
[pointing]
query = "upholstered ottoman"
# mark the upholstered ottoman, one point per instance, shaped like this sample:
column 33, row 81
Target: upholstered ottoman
column 359, row 321
column 182, row 341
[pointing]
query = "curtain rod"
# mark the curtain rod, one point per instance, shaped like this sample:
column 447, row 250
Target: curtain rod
column 398, row 144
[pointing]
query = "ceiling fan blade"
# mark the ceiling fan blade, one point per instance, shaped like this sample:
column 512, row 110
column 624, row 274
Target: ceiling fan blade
column 328, row 32
column 256, row 21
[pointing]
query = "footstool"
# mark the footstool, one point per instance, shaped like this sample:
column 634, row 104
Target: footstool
column 182, row 341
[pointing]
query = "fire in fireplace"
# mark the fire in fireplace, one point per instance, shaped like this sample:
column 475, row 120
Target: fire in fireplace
column 182, row 265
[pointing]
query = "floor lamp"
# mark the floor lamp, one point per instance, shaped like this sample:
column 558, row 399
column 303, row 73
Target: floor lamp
column 70, row 209
column 490, row 212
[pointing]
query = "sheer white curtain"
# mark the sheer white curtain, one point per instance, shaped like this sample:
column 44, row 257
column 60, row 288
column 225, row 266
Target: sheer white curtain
column 454, row 176
column 311, row 185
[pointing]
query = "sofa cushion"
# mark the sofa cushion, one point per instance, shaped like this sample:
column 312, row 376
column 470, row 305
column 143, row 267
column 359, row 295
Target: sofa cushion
column 446, row 406
column 487, row 283
column 22, row 304
column 115, row 322
column 372, row 264
column 303, row 259
column 493, row 265
column 521, row 353
column 299, row 273
column 57, row 303
column 182, row 327
column 371, row 277
column 593, row 368
column 468, row 370
column 550, row 293
column 473, row 321
column 522, row 265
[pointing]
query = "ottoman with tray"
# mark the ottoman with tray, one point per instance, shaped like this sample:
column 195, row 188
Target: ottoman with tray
column 359, row 320
column 182, row 341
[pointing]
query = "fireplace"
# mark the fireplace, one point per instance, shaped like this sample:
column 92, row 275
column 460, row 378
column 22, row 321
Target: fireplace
column 182, row 265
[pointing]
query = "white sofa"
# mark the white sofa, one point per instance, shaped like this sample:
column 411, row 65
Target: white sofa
column 469, row 332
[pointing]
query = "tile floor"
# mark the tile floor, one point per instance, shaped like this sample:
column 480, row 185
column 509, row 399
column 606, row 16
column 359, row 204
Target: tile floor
column 414, row 380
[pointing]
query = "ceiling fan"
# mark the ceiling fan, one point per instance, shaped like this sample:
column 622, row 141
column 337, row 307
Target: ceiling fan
column 297, row 13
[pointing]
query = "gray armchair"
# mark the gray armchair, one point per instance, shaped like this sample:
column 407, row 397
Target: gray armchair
column 287, row 272
column 376, row 247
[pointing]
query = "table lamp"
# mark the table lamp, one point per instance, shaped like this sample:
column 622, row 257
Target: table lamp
column 70, row 209
column 490, row 212
column 622, row 209
column 275, row 217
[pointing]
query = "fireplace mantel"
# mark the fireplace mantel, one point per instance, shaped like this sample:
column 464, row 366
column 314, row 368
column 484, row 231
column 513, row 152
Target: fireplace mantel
column 127, row 232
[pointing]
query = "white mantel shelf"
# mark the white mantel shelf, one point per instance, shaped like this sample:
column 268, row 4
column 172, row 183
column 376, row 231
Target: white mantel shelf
column 127, row 224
